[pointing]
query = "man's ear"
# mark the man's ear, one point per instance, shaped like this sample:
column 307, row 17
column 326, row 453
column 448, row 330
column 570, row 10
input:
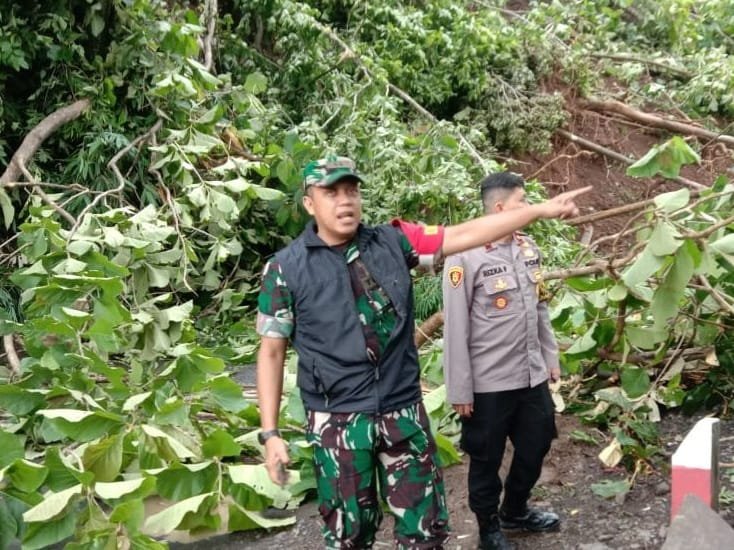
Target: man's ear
column 499, row 206
column 308, row 204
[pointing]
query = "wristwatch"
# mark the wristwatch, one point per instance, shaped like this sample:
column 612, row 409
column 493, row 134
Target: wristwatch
column 262, row 437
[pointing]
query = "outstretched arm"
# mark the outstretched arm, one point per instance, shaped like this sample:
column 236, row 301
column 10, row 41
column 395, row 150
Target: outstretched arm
column 479, row 231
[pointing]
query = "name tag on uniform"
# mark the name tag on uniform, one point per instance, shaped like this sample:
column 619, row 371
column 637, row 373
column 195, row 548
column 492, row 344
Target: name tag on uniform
column 494, row 270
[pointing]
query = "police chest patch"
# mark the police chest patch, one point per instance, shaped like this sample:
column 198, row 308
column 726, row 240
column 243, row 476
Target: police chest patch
column 455, row 275
column 500, row 302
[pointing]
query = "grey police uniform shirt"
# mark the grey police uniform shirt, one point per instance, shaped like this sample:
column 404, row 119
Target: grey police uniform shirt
column 497, row 332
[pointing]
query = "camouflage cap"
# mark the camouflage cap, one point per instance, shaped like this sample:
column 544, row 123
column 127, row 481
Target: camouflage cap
column 327, row 171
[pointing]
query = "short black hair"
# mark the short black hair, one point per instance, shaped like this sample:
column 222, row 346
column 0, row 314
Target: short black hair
column 500, row 181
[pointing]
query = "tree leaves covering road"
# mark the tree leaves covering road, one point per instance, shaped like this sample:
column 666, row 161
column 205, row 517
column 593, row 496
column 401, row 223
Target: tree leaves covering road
column 134, row 230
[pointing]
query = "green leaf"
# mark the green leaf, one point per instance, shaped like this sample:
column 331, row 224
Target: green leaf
column 104, row 459
column 48, row 533
column 256, row 477
column 26, row 476
column 227, row 394
column 52, row 505
column 219, row 443
column 166, row 521
column 583, row 344
column 435, row 400
column 7, row 207
column 82, row 425
column 447, row 452
column 675, row 200
column 645, row 338
column 610, row 489
column 664, row 240
column 130, row 513
column 256, row 83
column 724, row 245
column 9, row 524
column 643, row 267
column 11, row 448
column 62, row 475
column 118, row 489
column 242, row 519
column 635, row 381
column 132, row 402
column 177, row 448
column 180, row 482
column 19, row 401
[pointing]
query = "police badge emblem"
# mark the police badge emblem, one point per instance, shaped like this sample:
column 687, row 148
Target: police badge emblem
column 455, row 275
column 500, row 302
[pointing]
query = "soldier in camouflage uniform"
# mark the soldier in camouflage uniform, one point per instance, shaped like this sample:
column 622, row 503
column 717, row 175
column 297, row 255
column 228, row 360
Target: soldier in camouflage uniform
column 499, row 352
column 342, row 294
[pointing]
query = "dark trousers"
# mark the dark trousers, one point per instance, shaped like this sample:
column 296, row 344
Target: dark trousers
column 526, row 416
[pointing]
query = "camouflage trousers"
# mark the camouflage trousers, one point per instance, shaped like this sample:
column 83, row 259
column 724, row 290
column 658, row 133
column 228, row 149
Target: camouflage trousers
column 360, row 455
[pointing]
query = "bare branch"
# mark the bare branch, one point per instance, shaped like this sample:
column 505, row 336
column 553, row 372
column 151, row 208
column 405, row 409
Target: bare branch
column 425, row 331
column 63, row 213
column 210, row 13
column 112, row 165
column 38, row 135
column 11, row 354
column 618, row 156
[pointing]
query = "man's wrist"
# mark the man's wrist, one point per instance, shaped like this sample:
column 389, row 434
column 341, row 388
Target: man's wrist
column 264, row 435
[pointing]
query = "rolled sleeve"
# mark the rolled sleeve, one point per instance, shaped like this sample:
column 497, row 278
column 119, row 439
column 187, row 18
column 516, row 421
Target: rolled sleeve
column 426, row 240
column 275, row 318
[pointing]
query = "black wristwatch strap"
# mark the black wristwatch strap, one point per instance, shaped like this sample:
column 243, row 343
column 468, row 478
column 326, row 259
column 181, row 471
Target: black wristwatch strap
column 262, row 437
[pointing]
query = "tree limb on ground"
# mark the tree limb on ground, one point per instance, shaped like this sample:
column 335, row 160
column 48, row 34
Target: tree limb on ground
column 583, row 142
column 428, row 328
column 613, row 106
column 38, row 135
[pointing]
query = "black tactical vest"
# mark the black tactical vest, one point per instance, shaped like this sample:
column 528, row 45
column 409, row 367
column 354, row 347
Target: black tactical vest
column 334, row 370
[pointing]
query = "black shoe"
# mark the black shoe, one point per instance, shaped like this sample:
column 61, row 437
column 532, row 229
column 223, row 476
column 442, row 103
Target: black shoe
column 534, row 520
column 494, row 540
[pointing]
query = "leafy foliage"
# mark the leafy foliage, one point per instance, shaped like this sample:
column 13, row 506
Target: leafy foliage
column 133, row 317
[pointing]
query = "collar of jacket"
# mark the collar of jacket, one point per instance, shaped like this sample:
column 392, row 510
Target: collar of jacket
column 312, row 240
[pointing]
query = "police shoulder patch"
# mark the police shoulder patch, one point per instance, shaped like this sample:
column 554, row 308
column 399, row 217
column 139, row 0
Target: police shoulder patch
column 455, row 275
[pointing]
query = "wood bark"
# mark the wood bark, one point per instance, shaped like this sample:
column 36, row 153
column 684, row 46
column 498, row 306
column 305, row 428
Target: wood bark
column 613, row 106
column 38, row 135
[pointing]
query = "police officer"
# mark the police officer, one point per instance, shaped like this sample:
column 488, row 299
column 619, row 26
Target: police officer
column 499, row 352
column 342, row 294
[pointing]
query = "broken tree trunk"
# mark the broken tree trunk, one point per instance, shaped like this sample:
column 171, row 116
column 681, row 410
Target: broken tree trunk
column 613, row 106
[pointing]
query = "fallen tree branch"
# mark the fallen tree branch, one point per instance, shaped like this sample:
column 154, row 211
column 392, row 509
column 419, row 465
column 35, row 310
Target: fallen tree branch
column 614, row 106
column 428, row 328
column 38, row 135
column 12, row 355
column 643, row 61
column 37, row 188
column 112, row 165
column 618, row 156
